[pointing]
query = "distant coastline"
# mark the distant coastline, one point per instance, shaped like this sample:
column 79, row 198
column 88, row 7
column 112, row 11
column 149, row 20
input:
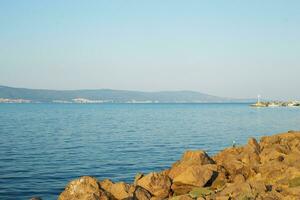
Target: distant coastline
column 88, row 101
column 24, row 95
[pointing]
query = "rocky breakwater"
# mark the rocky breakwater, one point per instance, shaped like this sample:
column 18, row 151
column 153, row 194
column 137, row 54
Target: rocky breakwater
column 266, row 170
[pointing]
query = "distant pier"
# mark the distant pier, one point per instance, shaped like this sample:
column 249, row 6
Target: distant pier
column 276, row 104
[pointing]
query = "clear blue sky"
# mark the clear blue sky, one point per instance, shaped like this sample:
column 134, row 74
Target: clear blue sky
column 227, row 48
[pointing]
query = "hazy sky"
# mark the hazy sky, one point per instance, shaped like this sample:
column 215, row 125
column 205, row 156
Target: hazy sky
column 233, row 48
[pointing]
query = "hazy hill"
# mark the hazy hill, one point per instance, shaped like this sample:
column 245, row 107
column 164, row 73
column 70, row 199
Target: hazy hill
column 107, row 95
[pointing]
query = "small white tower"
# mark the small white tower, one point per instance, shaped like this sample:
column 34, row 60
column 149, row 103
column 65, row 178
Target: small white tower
column 258, row 98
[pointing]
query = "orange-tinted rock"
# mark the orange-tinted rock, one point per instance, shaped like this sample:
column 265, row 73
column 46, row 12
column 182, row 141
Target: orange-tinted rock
column 240, row 160
column 198, row 156
column 195, row 175
column 188, row 159
column 254, row 145
column 241, row 190
column 84, row 188
column 118, row 190
column 157, row 184
column 137, row 177
column 182, row 197
column 141, row 194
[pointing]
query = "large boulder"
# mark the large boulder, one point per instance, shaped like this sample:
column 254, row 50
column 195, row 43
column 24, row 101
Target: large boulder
column 158, row 184
column 84, row 188
column 118, row 190
column 194, row 176
column 189, row 158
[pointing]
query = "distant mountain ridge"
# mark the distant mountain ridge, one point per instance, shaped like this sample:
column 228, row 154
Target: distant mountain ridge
column 109, row 96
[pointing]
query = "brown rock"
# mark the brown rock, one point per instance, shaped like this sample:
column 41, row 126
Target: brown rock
column 157, row 184
column 189, row 158
column 181, row 189
column 84, row 188
column 252, row 143
column 221, row 179
column 137, row 177
column 239, row 178
column 182, row 197
column 292, row 193
column 222, row 198
column 197, row 156
column 195, row 175
column 273, row 195
column 240, row 160
column 237, row 191
column 269, row 154
column 119, row 190
column 289, row 140
column 141, row 194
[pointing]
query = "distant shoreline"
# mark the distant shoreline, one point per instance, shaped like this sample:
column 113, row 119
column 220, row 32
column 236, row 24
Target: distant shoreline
column 127, row 103
column 23, row 95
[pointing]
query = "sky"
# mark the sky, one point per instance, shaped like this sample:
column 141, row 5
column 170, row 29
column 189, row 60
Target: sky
column 227, row 48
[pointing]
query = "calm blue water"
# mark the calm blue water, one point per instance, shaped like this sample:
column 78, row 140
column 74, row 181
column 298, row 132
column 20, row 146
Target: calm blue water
column 44, row 146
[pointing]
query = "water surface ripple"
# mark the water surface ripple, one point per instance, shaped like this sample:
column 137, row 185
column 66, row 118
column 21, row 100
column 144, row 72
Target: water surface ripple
column 44, row 146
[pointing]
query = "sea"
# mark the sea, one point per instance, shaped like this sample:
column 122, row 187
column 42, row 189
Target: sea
column 44, row 146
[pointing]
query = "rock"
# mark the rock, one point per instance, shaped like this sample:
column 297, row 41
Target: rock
column 252, row 143
column 165, row 172
column 239, row 178
column 239, row 160
column 189, row 158
column 200, row 192
column 182, row 197
column 141, row 194
column 223, row 198
column 295, row 182
column 180, row 189
column 157, row 184
column 197, row 156
column 292, row 193
column 118, row 190
column 221, row 179
column 84, row 188
column 258, row 186
column 195, row 175
column 289, row 140
column 237, row 191
column 137, row 177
